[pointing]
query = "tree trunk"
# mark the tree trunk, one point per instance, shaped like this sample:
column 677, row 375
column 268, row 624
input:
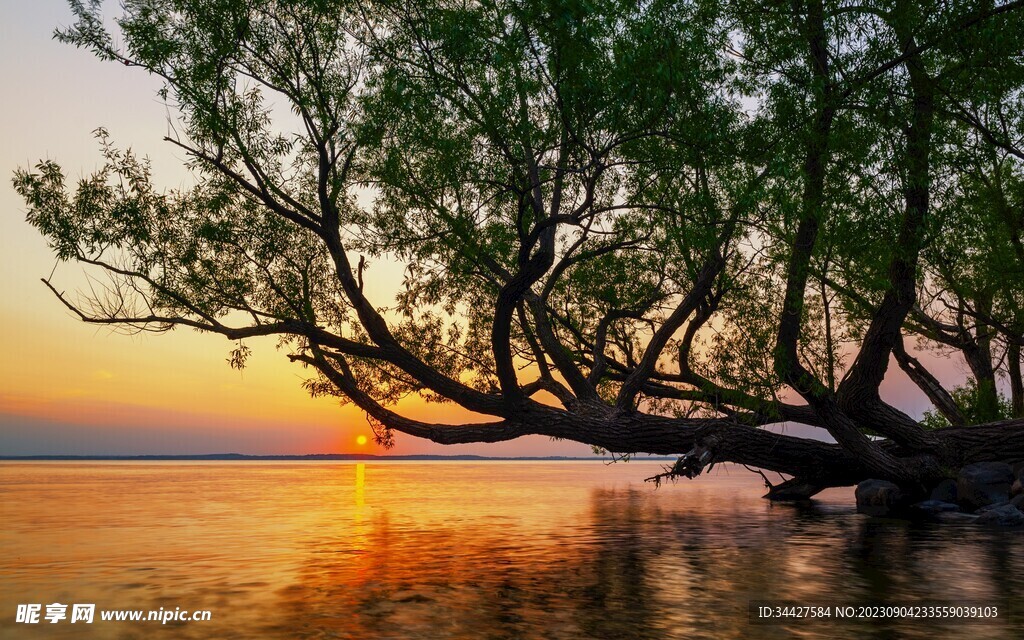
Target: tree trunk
column 1016, row 384
column 979, row 359
column 814, row 465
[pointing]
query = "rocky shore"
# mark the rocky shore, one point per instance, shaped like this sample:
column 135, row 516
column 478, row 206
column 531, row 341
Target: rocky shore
column 986, row 493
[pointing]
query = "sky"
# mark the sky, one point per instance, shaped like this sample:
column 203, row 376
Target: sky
column 70, row 388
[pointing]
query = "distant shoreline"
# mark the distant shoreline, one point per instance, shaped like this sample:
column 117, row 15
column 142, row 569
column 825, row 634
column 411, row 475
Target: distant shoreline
column 229, row 457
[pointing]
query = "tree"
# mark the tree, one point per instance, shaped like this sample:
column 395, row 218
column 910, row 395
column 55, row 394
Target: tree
column 649, row 227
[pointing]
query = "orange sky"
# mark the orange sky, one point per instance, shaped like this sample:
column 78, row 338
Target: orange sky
column 67, row 387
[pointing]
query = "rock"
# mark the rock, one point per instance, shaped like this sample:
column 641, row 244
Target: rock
column 934, row 506
column 984, row 483
column 945, row 491
column 410, row 595
column 955, row 517
column 879, row 497
column 990, row 507
column 1006, row 515
column 1018, row 501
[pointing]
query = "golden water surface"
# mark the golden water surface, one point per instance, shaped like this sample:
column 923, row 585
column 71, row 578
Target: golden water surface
column 471, row 550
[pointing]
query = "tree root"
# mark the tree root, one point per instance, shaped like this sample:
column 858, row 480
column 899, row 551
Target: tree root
column 696, row 461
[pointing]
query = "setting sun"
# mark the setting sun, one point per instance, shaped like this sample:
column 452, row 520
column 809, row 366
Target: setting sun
column 360, row 440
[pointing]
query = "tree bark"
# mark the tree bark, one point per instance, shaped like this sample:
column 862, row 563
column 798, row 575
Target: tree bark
column 979, row 359
column 929, row 384
column 858, row 394
column 814, row 465
column 1016, row 383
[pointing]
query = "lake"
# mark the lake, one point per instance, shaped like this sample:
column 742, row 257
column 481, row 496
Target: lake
column 472, row 550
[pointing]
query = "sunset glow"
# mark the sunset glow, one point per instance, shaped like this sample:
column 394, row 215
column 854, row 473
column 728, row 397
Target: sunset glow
column 71, row 388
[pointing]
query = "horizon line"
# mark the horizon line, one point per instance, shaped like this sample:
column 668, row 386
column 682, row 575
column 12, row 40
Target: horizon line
column 311, row 456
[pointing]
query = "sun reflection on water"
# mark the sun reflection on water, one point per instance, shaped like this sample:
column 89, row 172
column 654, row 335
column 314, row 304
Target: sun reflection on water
column 360, row 486
column 469, row 550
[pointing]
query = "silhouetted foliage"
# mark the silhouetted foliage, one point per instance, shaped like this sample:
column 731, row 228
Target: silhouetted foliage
column 649, row 226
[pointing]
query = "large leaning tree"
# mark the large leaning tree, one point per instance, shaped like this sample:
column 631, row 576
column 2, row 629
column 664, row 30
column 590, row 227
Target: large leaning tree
column 650, row 226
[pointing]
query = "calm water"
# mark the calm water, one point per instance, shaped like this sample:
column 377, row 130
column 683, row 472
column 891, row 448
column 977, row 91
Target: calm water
column 469, row 550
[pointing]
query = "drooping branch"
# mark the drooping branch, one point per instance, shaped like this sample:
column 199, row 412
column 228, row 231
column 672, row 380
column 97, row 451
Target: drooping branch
column 212, row 325
column 341, row 376
column 929, row 384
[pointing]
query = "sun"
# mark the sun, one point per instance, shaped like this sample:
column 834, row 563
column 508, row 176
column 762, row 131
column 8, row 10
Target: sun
column 360, row 440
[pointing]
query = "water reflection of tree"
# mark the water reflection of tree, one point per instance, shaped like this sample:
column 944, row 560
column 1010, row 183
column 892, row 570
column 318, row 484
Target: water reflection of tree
column 874, row 561
column 641, row 565
column 682, row 573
